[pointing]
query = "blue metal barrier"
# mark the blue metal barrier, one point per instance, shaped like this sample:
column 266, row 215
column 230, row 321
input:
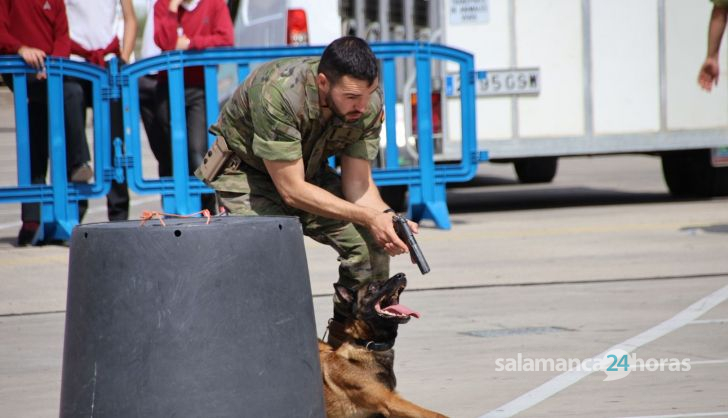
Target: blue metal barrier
column 59, row 199
column 427, row 199
column 426, row 181
column 180, row 193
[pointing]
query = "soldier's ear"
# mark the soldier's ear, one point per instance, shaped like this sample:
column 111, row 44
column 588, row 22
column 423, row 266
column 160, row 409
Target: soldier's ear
column 322, row 82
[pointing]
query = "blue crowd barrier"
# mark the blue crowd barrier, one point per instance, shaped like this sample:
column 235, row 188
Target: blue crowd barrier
column 426, row 181
column 427, row 197
column 58, row 199
column 180, row 192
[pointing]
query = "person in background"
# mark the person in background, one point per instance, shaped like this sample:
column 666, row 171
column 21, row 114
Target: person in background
column 35, row 29
column 148, row 101
column 709, row 71
column 92, row 25
column 189, row 25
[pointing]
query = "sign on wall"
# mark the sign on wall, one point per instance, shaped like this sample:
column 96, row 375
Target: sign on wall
column 469, row 11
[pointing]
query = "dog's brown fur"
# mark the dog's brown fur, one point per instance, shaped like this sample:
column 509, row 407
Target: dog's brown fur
column 359, row 382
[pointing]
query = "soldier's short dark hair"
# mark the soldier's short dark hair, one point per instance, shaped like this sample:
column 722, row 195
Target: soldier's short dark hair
column 350, row 56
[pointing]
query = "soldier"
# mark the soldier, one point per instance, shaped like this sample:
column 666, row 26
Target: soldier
column 278, row 130
column 709, row 71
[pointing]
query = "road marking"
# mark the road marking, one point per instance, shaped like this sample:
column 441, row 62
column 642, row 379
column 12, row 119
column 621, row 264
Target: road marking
column 696, row 414
column 21, row 314
column 665, row 362
column 709, row 321
column 549, row 283
column 61, row 259
column 702, row 362
column 7, row 225
column 492, row 233
column 566, row 379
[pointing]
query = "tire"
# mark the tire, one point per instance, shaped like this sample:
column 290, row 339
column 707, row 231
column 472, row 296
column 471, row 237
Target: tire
column 536, row 170
column 678, row 173
column 395, row 197
column 690, row 174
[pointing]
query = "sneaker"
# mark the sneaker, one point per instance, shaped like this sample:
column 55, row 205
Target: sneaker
column 28, row 234
column 82, row 174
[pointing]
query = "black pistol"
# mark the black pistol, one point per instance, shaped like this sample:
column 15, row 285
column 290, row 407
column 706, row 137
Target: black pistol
column 405, row 234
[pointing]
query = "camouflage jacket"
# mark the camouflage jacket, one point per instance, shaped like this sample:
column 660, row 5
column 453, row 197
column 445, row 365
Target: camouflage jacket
column 275, row 115
column 720, row 3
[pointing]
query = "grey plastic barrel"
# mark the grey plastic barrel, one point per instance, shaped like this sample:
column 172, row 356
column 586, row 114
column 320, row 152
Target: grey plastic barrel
column 190, row 320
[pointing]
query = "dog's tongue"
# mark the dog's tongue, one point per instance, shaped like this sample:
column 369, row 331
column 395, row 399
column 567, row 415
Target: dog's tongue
column 401, row 310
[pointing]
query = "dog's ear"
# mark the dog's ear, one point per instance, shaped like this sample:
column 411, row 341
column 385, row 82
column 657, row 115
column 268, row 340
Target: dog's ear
column 344, row 293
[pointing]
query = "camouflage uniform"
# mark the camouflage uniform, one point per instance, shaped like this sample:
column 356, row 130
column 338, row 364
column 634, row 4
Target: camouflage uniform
column 275, row 115
column 721, row 3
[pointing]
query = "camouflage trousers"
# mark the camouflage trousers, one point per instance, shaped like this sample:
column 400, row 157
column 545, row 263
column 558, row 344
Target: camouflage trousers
column 361, row 259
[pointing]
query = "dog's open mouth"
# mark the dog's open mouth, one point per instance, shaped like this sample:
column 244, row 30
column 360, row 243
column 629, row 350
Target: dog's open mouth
column 389, row 307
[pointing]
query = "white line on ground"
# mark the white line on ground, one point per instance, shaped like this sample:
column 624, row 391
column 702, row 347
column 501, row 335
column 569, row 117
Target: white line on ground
column 7, row 225
column 664, row 362
column 566, row 379
column 709, row 321
column 702, row 362
column 135, row 202
column 697, row 414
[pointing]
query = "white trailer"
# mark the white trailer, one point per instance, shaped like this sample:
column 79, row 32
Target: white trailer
column 611, row 77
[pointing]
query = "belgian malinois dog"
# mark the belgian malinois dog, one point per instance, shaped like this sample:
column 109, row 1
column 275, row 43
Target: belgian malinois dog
column 358, row 375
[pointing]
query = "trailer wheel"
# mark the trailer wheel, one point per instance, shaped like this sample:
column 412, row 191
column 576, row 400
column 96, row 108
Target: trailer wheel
column 395, row 197
column 690, row 173
column 536, row 170
column 678, row 172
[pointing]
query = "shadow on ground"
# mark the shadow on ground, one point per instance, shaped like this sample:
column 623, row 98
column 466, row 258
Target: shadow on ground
column 710, row 229
column 490, row 193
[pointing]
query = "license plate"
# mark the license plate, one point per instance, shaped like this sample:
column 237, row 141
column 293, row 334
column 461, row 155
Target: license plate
column 719, row 157
column 499, row 82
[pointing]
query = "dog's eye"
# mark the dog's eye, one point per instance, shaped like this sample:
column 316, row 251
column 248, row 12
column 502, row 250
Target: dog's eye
column 372, row 287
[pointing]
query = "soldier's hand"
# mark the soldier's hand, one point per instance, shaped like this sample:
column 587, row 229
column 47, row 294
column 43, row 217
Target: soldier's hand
column 414, row 226
column 708, row 76
column 382, row 229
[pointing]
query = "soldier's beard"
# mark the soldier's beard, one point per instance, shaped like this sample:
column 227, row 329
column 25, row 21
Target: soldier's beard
column 348, row 117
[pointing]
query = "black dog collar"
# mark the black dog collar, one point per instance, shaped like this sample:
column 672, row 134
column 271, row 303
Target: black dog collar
column 374, row 345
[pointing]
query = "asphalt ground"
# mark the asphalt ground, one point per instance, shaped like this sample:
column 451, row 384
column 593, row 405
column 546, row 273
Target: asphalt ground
column 601, row 259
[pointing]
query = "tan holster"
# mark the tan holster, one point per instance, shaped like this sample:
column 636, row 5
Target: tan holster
column 218, row 157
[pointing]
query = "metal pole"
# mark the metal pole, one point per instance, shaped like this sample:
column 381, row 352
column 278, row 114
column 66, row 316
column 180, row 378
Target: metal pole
column 359, row 18
column 587, row 69
column 409, row 22
column 662, row 54
column 384, row 20
column 515, row 131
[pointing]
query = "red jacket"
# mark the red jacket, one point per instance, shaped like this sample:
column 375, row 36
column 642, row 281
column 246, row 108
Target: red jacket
column 39, row 24
column 208, row 25
column 96, row 56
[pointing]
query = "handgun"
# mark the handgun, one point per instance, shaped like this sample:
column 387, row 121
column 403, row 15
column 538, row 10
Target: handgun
column 405, row 234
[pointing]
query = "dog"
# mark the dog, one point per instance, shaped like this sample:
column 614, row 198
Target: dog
column 358, row 376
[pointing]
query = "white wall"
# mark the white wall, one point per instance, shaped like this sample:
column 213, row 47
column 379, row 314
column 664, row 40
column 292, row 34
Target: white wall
column 548, row 33
column 490, row 45
column 689, row 107
column 625, row 66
